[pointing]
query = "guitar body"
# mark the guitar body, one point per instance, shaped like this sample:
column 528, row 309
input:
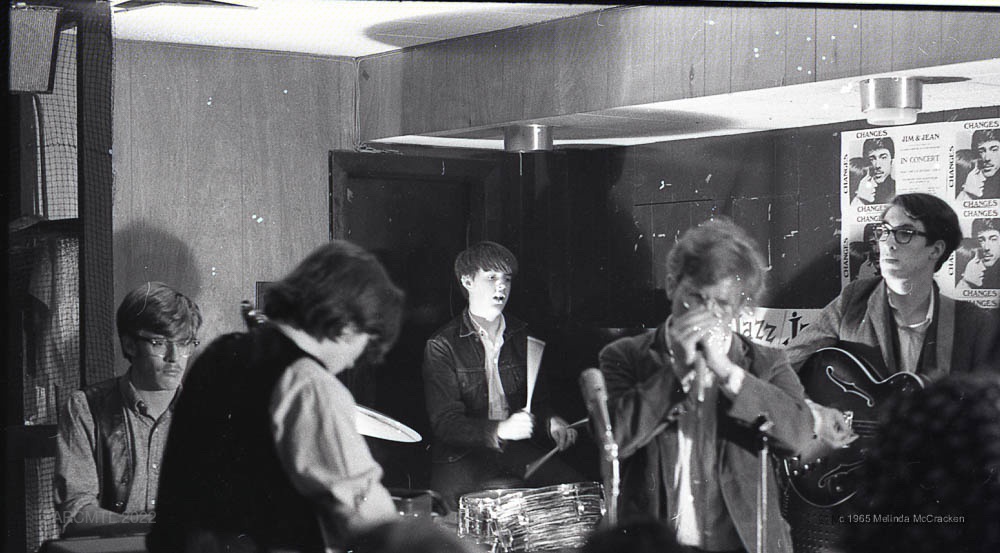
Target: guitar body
column 825, row 476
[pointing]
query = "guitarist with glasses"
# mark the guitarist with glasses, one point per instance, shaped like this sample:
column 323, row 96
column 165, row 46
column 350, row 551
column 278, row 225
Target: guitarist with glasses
column 896, row 323
column 900, row 322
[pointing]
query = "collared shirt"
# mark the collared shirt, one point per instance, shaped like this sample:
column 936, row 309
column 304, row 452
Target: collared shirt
column 313, row 423
column 149, row 437
column 696, row 508
column 911, row 337
column 499, row 409
column 76, row 470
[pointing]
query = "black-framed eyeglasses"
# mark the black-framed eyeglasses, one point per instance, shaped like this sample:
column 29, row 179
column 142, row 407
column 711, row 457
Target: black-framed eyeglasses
column 900, row 235
column 158, row 346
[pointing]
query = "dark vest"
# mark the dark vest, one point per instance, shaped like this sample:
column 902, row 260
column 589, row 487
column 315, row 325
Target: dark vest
column 113, row 455
column 222, row 485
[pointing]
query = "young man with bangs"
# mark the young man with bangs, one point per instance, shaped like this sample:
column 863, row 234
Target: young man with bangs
column 264, row 454
column 112, row 434
column 880, row 153
column 983, row 271
column 475, row 382
column 986, row 145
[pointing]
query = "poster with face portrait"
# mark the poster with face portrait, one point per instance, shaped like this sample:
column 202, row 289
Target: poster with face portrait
column 958, row 162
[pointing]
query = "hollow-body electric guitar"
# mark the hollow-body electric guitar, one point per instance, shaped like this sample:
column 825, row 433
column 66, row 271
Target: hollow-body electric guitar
column 825, row 476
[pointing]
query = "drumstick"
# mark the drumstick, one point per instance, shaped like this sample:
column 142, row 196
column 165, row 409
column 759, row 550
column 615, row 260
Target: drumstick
column 579, row 423
column 534, row 360
column 533, row 467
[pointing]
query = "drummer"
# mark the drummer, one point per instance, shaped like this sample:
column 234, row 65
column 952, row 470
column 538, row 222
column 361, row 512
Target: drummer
column 263, row 454
column 476, row 384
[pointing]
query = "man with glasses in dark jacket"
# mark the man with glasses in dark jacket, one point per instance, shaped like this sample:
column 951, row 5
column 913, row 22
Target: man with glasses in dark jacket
column 900, row 321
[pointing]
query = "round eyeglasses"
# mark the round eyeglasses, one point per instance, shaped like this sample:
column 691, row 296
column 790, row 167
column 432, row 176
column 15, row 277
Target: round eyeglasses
column 900, row 235
column 159, row 346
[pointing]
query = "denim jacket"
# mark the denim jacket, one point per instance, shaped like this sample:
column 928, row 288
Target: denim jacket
column 456, row 389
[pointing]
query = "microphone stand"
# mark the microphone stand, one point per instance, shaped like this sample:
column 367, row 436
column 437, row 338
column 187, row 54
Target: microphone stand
column 763, row 426
column 701, row 371
column 596, row 395
column 612, row 477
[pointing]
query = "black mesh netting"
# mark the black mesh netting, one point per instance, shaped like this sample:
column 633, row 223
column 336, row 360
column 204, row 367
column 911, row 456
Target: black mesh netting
column 60, row 247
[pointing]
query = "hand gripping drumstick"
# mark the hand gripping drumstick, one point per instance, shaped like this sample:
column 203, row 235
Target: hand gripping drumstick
column 532, row 468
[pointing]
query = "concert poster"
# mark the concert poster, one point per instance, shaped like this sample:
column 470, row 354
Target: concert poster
column 957, row 161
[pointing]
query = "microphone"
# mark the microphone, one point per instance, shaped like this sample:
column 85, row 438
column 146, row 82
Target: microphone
column 595, row 395
column 701, row 372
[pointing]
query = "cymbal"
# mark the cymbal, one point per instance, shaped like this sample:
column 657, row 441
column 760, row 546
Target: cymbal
column 376, row 425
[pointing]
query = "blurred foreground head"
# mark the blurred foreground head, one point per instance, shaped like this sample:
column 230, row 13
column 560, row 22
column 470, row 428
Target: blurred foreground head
column 339, row 286
column 935, row 472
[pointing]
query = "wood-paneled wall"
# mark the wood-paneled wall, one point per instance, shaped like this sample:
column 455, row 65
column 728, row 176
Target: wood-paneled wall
column 641, row 54
column 221, row 167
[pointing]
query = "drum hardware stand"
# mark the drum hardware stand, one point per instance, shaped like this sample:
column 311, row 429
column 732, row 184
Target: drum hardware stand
column 763, row 425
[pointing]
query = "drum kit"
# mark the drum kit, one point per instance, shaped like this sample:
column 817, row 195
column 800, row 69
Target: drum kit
column 509, row 520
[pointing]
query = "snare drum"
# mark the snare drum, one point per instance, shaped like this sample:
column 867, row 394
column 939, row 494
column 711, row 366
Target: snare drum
column 550, row 518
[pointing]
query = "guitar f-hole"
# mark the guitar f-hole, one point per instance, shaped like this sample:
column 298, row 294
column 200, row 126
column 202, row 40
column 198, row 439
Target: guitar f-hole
column 849, row 387
column 837, row 473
